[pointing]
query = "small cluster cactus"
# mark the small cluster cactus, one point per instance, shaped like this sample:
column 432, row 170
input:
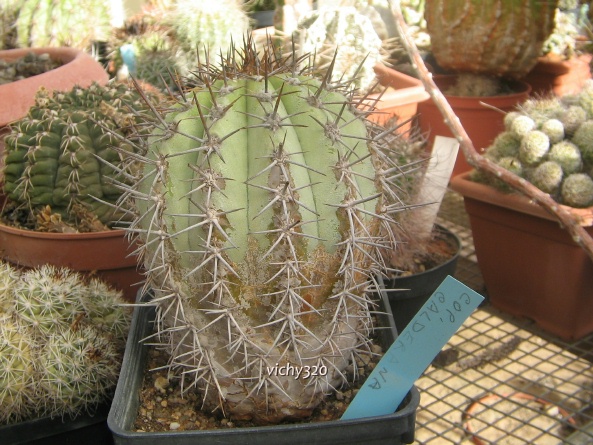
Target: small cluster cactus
column 62, row 153
column 61, row 341
column 549, row 141
column 344, row 37
column 263, row 211
column 43, row 23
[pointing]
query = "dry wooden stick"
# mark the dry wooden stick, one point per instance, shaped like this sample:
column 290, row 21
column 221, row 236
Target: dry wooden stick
column 566, row 219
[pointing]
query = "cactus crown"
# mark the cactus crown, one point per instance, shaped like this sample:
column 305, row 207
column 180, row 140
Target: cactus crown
column 262, row 212
column 58, row 155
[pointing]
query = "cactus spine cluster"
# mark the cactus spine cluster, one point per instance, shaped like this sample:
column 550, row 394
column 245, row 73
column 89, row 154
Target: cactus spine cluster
column 493, row 37
column 263, row 210
column 549, row 141
column 60, row 342
column 61, row 153
column 343, row 37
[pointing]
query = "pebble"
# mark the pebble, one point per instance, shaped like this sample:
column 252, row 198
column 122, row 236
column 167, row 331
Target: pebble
column 174, row 425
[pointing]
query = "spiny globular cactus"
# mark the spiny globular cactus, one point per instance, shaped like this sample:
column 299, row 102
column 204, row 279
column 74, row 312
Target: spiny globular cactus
column 343, row 37
column 62, row 152
column 61, row 341
column 263, row 210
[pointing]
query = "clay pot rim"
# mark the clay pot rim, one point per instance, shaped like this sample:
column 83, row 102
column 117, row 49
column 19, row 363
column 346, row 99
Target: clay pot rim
column 114, row 233
column 515, row 201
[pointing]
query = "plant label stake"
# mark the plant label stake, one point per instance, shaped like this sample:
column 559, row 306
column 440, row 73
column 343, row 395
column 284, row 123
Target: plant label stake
column 414, row 349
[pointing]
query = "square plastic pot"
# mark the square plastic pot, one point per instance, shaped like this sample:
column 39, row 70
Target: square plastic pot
column 394, row 429
column 530, row 265
column 83, row 429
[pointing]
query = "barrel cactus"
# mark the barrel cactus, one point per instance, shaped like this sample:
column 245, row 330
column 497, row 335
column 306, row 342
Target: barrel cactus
column 63, row 152
column 493, row 37
column 548, row 141
column 262, row 213
column 60, row 350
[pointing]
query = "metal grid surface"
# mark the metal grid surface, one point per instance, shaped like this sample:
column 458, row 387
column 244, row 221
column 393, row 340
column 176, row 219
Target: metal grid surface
column 501, row 380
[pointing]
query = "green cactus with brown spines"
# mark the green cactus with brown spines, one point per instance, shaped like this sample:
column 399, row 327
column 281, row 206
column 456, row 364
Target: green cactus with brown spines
column 262, row 213
column 62, row 152
column 60, row 348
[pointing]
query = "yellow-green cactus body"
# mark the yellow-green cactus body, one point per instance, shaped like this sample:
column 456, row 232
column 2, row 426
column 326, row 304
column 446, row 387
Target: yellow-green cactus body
column 261, row 210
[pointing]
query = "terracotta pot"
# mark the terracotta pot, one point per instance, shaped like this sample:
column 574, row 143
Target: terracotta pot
column 556, row 75
column 400, row 101
column 530, row 265
column 481, row 122
column 107, row 254
column 16, row 98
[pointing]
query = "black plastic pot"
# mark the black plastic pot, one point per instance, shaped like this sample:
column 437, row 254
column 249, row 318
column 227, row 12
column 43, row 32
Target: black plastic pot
column 407, row 294
column 393, row 429
column 82, row 430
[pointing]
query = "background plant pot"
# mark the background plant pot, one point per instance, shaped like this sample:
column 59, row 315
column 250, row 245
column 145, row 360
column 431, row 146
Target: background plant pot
column 558, row 76
column 17, row 97
column 262, row 19
column 530, row 265
column 407, row 294
column 400, row 101
column 108, row 254
column 83, row 429
column 396, row 428
column 482, row 123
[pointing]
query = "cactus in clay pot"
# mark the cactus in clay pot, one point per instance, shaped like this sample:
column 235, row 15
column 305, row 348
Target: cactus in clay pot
column 549, row 141
column 60, row 349
column 58, row 155
column 498, row 37
column 322, row 32
column 263, row 211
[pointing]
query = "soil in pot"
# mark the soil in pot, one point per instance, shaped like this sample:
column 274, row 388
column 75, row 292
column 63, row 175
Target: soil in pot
column 32, row 64
column 422, row 271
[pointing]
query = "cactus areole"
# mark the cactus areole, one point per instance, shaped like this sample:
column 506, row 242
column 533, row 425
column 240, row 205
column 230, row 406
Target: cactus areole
column 263, row 209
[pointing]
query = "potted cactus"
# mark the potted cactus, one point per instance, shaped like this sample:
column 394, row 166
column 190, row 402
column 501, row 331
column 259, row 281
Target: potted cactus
column 261, row 212
column 473, row 86
column 530, row 264
column 62, row 339
column 62, row 177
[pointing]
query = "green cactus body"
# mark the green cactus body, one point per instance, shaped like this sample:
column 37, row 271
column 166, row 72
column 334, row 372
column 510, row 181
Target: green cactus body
column 534, row 147
column 495, row 37
column 63, row 152
column 583, row 138
column 42, row 23
column 262, row 214
column 207, row 29
column 567, row 155
column 351, row 34
column 547, row 177
column 521, row 125
column 572, row 118
column 554, row 129
column 506, row 144
column 577, row 190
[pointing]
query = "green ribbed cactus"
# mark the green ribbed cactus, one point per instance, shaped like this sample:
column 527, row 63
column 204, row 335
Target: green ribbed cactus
column 493, row 37
column 263, row 210
column 61, row 339
column 205, row 29
column 41, row 23
column 349, row 34
column 549, row 141
column 57, row 155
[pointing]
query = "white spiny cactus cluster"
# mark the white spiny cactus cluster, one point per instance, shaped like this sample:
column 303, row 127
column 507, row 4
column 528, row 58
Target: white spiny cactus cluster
column 61, row 339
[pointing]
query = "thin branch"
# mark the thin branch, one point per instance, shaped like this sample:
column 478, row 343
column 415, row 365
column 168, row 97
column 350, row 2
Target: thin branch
column 567, row 220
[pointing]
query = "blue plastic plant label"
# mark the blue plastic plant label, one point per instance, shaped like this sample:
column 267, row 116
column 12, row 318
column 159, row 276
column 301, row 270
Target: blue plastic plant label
column 414, row 349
